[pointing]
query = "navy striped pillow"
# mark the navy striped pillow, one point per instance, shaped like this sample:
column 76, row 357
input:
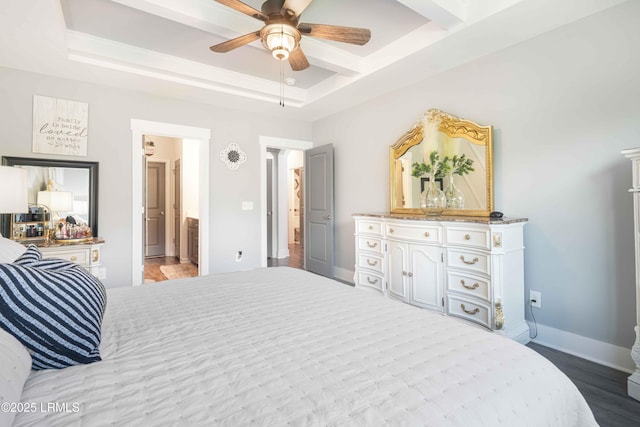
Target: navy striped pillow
column 55, row 313
column 30, row 256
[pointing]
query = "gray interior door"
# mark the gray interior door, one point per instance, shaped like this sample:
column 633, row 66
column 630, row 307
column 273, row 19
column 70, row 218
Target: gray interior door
column 318, row 205
column 177, row 212
column 156, row 209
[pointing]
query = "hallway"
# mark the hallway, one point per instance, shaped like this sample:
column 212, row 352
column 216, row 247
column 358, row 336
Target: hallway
column 294, row 260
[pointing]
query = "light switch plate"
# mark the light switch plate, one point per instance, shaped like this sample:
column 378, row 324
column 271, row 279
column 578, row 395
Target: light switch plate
column 247, row 206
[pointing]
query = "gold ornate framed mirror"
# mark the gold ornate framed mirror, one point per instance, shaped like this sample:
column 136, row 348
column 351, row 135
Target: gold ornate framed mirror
column 453, row 139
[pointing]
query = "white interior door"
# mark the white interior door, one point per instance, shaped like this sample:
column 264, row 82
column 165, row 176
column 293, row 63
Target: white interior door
column 319, row 206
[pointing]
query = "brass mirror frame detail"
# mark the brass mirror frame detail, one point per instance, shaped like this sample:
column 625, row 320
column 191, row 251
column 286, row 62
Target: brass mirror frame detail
column 454, row 127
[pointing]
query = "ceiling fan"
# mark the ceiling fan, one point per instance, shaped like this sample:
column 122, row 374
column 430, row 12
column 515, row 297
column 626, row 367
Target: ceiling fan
column 281, row 33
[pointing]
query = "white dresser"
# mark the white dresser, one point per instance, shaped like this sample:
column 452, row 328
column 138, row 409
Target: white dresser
column 633, row 383
column 472, row 268
column 86, row 254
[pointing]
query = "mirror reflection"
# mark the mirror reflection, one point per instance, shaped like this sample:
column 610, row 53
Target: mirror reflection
column 442, row 166
column 66, row 190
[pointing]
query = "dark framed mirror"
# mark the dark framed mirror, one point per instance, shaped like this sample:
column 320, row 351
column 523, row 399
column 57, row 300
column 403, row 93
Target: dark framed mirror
column 77, row 177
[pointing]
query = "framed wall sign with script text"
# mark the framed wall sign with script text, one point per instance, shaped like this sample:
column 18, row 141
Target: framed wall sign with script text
column 60, row 126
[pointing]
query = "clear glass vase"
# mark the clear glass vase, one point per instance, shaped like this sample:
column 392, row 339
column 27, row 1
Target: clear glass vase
column 454, row 196
column 432, row 199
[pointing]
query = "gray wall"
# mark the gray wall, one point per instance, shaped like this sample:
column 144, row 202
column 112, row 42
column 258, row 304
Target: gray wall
column 110, row 114
column 562, row 105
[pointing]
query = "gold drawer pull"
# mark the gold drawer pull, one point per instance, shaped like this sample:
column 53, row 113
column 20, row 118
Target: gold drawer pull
column 473, row 312
column 372, row 263
column 426, row 234
column 474, row 286
column 372, row 245
column 467, row 237
column 391, row 230
column 371, row 227
column 473, row 261
column 73, row 258
column 372, row 282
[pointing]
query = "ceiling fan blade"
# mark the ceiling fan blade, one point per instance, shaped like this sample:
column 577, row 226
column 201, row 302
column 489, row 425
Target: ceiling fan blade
column 294, row 8
column 235, row 43
column 298, row 60
column 244, row 8
column 351, row 35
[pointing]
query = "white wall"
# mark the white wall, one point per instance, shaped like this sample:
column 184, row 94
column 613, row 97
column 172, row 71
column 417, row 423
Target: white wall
column 562, row 105
column 110, row 114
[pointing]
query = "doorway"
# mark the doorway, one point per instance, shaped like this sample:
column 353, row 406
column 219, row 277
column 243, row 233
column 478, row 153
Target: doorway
column 285, row 208
column 164, row 230
column 198, row 160
column 278, row 239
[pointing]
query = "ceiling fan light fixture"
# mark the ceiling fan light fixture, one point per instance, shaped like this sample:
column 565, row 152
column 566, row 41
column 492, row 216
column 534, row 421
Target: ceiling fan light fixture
column 280, row 39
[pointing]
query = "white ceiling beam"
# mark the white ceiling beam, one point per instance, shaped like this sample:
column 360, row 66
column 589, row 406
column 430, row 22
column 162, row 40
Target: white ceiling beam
column 445, row 13
column 107, row 53
column 206, row 15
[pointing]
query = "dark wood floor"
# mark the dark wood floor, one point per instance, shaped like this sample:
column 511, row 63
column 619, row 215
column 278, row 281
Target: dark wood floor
column 604, row 388
column 294, row 260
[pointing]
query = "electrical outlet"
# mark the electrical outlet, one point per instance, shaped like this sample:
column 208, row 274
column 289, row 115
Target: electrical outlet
column 537, row 297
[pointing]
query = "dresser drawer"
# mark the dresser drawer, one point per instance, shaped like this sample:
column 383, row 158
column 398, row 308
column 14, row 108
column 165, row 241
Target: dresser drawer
column 427, row 234
column 470, row 310
column 77, row 256
column 370, row 262
column 468, row 236
column 371, row 280
column 370, row 244
column 468, row 260
column 469, row 285
column 369, row 227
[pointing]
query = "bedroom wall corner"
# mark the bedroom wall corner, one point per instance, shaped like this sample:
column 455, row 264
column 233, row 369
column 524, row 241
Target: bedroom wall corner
column 563, row 105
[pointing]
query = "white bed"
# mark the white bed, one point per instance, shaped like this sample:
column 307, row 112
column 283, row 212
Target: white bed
column 282, row 346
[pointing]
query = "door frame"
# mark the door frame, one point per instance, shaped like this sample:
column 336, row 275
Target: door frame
column 272, row 142
column 203, row 136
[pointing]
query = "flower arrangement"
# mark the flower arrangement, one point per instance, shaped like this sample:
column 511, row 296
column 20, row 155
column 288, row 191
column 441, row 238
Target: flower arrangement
column 433, row 199
column 459, row 165
column 441, row 167
column 436, row 167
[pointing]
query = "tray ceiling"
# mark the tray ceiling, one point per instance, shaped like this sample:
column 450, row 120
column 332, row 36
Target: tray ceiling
column 162, row 46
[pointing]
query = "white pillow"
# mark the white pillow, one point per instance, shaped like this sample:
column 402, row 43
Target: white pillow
column 10, row 250
column 15, row 365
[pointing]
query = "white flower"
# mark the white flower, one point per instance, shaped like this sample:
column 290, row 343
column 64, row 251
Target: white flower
column 233, row 156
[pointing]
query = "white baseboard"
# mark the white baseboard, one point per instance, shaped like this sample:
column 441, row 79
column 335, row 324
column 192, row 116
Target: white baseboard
column 343, row 274
column 599, row 352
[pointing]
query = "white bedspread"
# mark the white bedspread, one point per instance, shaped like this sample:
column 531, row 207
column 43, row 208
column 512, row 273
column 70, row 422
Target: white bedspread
column 281, row 346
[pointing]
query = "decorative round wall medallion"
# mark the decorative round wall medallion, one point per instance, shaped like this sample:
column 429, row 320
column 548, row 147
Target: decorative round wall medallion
column 233, row 156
